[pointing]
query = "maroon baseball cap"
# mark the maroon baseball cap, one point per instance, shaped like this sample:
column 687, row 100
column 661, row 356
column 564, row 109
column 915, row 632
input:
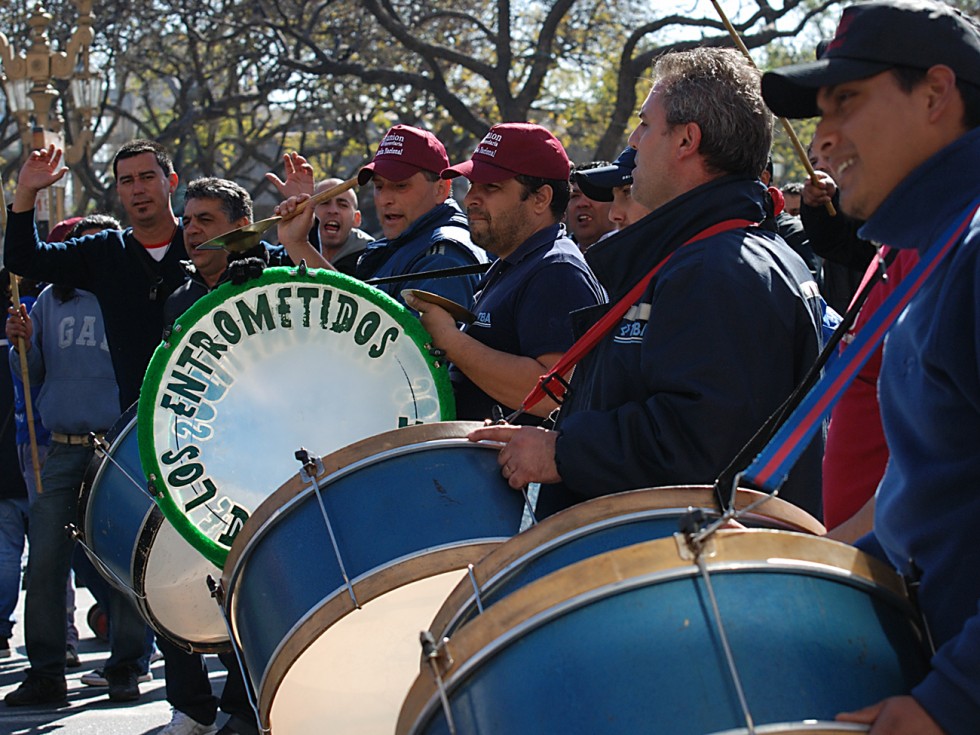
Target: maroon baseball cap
column 405, row 151
column 510, row 149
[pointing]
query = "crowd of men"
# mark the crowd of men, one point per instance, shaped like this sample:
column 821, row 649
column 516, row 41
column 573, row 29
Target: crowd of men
column 686, row 365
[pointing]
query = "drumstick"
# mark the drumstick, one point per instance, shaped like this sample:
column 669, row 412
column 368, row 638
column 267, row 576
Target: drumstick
column 22, row 351
column 797, row 146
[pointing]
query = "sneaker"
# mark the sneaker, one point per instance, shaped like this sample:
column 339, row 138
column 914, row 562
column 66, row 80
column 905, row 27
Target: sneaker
column 71, row 657
column 5, row 651
column 123, row 685
column 181, row 724
column 37, row 690
column 96, row 678
column 157, row 655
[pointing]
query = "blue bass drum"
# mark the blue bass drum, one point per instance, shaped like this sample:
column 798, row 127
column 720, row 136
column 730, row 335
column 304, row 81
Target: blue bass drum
column 134, row 547
column 401, row 513
column 632, row 641
column 597, row 526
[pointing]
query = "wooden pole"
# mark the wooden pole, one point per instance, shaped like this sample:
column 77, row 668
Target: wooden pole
column 797, row 146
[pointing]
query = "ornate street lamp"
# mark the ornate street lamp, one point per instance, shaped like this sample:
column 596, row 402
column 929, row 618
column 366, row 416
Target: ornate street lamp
column 28, row 75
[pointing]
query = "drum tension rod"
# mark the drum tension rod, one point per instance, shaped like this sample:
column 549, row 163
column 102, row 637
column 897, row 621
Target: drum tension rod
column 218, row 593
column 75, row 533
column 102, row 447
column 477, row 595
column 432, row 653
column 692, row 532
column 312, row 468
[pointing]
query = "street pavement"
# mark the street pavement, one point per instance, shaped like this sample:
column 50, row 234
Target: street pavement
column 89, row 711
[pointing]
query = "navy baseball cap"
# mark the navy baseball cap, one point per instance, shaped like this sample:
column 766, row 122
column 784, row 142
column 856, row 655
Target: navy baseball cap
column 598, row 183
column 874, row 37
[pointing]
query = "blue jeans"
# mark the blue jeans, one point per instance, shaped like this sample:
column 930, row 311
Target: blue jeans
column 48, row 564
column 13, row 530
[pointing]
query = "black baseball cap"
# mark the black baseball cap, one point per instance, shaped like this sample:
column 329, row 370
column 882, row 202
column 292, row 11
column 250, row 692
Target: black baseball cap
column 598, row 183
column 874, row 37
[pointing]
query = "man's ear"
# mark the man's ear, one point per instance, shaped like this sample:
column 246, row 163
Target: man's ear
column 689, row 139
column 357, row 218
column 942, row 96
column 174, row 180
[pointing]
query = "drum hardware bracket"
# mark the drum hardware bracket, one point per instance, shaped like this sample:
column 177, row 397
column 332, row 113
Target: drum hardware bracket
column 692, row 540
column 102, row 447
column 302, row 269
column 312, row 467
column 477, row 595
column 151, row 484
column 433, row 653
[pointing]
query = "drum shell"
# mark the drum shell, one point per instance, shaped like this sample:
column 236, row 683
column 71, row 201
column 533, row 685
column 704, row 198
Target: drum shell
column 121, row 527
column 597, row 526
column 623, row 642
column 421, row 507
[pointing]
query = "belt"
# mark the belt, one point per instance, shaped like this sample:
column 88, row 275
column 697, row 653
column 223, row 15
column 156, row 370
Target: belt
column 84, row 440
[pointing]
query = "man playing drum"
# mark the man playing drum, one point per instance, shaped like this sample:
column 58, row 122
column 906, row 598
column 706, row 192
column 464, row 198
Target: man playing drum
column 721, row 334
column 898, row 95
column 518, row 193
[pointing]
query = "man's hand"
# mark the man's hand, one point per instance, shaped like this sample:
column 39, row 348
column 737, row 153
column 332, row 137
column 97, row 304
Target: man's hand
column 895, row 716
column 528, row 454
column 19, row 326
column 42, row 169
column 299, row 176
column 818, row 194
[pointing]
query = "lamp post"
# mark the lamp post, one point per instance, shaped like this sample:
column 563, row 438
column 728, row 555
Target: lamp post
column 27, row 78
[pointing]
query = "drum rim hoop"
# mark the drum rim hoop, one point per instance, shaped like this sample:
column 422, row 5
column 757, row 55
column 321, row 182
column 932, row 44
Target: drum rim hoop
column 527, row 608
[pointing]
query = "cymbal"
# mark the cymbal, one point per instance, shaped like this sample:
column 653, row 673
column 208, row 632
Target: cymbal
column 460, row 313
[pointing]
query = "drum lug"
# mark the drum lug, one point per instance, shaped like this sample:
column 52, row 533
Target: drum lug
column 312, row 465
column 217, row 591
column 690, row 550
column 433, row 655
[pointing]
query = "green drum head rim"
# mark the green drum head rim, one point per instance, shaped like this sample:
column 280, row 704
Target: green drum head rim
column 326, row 305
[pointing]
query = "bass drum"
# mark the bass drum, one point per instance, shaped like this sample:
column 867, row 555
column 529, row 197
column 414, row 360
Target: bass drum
column 594, row 527
column 399, row 515
column 632, row 641
column 253, row 372
column 139, row 552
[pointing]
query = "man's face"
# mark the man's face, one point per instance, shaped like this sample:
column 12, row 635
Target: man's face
column 625, row 210
column 870, row 137
column 400, row 203
column 655, row 143
column 500, row 221
column 793, row 202
column 203, row 220
column 336, row 217
column 587, row 220
column 144, row 189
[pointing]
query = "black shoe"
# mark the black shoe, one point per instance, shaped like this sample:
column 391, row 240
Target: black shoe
column 238, row 726
column 123, row 686
column 36, row 690
column 4, row 647
column 71, row 657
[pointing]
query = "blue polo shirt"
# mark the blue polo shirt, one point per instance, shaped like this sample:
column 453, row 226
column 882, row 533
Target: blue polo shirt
column 523, row 307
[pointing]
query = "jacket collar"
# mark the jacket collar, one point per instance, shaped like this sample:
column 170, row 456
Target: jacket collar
column 447, row 213
column 622, row 259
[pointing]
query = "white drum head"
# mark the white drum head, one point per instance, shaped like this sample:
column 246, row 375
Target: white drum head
column 254, row 372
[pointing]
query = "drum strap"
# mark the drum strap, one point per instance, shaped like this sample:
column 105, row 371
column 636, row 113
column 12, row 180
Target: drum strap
column 553, row 384
column 771, row 467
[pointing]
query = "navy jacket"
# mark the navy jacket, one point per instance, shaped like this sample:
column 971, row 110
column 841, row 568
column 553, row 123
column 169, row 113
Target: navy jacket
column 722, row 335
column 130, row 285
column 928, row 510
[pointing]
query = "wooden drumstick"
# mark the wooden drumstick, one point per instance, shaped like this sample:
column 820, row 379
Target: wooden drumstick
column 797, row 146
column 22, row 351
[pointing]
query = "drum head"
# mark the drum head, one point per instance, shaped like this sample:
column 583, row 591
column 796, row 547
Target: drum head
column 254, row 372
